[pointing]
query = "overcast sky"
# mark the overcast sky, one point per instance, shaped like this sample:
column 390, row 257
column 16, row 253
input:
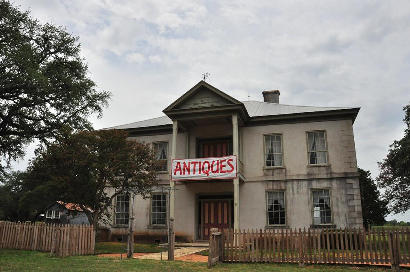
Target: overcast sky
column 320, row 53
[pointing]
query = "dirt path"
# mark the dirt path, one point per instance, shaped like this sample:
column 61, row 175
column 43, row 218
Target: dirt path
column 187, row 254
column 178, row 253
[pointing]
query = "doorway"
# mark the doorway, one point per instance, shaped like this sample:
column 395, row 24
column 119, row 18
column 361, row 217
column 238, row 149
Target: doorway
column 214, row 212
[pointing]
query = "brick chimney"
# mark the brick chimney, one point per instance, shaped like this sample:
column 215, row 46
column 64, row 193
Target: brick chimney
column 271, row 96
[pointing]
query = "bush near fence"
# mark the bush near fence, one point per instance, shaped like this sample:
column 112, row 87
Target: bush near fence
column 59, row 240
column 313, row 246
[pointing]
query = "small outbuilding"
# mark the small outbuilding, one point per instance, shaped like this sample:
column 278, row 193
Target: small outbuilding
column 65, row 213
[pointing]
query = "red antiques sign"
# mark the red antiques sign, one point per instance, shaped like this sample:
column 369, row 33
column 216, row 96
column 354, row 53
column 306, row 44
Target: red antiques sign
column 204, row 168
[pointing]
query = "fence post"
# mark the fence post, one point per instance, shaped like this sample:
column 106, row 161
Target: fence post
column 301, row 259
column 215, row 247
column 394, row 252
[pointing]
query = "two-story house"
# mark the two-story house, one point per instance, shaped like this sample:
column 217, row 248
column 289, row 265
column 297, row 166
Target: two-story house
column 296, row 167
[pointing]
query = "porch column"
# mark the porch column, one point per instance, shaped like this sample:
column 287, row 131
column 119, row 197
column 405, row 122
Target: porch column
column 235, row 143
column 172, row 183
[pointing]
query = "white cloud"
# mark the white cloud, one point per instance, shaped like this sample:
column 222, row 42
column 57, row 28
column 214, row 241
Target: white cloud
column 135, row 58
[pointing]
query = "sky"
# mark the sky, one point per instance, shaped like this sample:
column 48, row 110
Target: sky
column 317, row 53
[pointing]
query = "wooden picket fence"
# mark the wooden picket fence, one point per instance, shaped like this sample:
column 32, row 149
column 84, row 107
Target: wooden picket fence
column 59, row 240
column 316, row 246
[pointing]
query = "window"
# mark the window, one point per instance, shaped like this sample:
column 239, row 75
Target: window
column 49, row 214
column 56, row 214
column 161, row 151
column 322, row 213
column 273, row 150
column 159, row 209
column 122, row 206
column 317, row 147
column 276, row 208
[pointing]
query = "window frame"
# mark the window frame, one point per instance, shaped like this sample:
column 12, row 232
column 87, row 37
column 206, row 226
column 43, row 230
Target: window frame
column 55, row 214
column 264, row 151
column 51, row 214
column 267, row 211
column 115, row 210
column 151, row 211
column 326, row 151
column 167, row 159
column 313, row 207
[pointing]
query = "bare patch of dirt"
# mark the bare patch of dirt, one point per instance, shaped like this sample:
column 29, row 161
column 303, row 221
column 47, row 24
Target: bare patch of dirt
column 193, row 258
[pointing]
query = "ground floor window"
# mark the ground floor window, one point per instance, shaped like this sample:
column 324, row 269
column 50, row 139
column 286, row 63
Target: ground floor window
column 159, row 210
column 322, row 213
column 122, row 206
column 53, row 214
column 275, row 201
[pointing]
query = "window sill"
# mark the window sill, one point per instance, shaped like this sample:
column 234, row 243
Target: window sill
column 120, row 226
column 273, row 167
column 323, row 226
column 276, row 227
column 318, row 165
column 157, row 226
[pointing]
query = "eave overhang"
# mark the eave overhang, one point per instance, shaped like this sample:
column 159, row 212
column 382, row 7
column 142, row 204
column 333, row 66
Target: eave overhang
column 339, row 114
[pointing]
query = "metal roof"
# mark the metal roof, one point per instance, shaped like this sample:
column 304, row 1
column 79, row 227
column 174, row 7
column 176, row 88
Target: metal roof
column 254, row 109
column 257, row 108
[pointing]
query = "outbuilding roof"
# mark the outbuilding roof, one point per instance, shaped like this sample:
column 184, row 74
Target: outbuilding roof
column 254, row 109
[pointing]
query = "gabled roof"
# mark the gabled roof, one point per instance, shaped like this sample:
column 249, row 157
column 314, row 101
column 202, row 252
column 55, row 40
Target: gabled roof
column 153, row 122
column 254, row 109
column 72, row 206
column 201, row 85
column 257, row 108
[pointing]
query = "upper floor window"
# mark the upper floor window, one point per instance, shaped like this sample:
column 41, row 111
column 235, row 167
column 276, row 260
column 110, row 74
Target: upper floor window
column 276, row 208
column 273, row 150
column 317, row 147
column 322, row 213
column 122, row 205
column 159, row 209
column 161, row 151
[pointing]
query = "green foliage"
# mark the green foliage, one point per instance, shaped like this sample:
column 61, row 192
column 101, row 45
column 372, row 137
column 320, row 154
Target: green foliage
column 10, row 192
column 373, row 208
column 397, row 223
column 44, row 83
column 89, row 168
column 394, row 175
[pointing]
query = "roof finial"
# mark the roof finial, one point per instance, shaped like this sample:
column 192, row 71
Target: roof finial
column 205, row 76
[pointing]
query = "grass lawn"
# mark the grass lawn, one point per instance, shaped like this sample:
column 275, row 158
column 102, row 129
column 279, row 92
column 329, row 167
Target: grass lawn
column 116, row 247
column 19, row 260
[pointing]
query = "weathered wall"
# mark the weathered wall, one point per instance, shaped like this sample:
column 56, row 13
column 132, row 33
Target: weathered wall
column 341, row 150
column 298, row 202
column 297, row 178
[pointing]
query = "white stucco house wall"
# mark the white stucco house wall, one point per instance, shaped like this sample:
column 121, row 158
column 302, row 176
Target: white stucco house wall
column 296, row 167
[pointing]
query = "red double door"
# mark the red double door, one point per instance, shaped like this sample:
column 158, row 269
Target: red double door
column 215, row 214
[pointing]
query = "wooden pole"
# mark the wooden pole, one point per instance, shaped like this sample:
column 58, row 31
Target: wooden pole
column 171, row 240
column 130, row 246
column 235, row 147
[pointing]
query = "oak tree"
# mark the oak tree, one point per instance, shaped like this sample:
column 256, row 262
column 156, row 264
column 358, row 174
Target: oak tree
column 90, row 168
column 44, row 83
column 374, row 209
column 394, row 175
